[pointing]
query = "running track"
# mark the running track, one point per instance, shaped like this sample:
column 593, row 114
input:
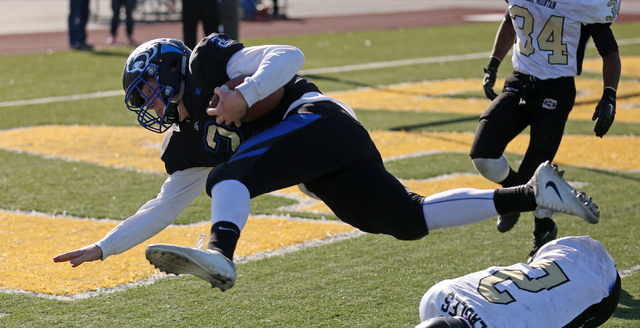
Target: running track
column 57, row 41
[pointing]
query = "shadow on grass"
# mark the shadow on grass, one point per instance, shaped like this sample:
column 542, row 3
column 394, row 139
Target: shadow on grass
column 114, row 53
column 616, row 174
column 333, row 79
column 434, row 124
column 632, row 312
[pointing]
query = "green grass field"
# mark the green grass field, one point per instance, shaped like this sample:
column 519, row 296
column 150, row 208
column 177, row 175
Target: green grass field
column 369, row 281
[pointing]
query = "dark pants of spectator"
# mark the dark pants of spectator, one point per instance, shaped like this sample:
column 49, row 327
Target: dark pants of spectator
column 230, row 17
column 78, row 18
column 129, row 6
column 193, row 11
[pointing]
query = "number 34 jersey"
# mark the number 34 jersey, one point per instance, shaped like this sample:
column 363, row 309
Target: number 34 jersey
column 567, row 276
column 549, row 33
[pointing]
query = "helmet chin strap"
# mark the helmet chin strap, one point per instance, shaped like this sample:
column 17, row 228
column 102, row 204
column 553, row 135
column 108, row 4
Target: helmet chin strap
column 172, row 114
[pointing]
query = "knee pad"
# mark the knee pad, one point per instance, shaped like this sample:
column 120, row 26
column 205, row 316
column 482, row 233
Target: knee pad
column 495, row 170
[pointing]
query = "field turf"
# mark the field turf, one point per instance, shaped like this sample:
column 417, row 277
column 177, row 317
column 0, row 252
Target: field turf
column 366, row 281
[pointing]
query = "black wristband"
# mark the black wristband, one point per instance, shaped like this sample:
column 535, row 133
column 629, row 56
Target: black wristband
column 609, row 92
column 494, row 63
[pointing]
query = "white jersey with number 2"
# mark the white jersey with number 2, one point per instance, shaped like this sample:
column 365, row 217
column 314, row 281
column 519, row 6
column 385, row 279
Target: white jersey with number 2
column 549, row 33
column 566, row 277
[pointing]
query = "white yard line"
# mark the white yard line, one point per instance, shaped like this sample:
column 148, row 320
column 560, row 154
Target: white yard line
column 325, row 70
column 629, row 272
column 100, row 94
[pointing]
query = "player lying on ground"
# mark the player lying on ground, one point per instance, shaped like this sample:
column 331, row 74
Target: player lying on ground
column 571, row 282
column 307, row 139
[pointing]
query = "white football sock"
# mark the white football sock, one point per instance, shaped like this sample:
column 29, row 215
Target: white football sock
column 231, row 202
column 458, row 207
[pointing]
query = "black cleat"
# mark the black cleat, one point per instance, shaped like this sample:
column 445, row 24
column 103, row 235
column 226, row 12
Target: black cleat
column 506, row 222
column 540, row 239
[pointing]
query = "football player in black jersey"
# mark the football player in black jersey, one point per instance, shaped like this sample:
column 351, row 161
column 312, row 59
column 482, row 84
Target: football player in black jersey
column 308, row 139
column 550, row 44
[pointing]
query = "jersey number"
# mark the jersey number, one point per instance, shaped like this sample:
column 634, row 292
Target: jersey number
column 549, row 38
column 614, row 10
column 554, row 277
column 219, row 139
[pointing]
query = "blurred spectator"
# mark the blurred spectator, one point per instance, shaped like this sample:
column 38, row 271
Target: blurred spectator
column 253, row 10
column 276, row 11
column 230, row 17
column 78, row 18
column 194, row 11
column 116, row 6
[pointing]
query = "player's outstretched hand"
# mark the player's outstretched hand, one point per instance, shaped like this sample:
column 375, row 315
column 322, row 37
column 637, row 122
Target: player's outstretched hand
column 79, row 256
column 228, row 105
column 605, row 112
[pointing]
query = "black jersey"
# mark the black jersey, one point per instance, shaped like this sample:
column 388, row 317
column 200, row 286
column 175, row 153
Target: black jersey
column 199, row 141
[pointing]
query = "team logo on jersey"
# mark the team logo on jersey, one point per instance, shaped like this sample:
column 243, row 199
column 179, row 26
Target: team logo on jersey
column 220, row 42
column 549, row 103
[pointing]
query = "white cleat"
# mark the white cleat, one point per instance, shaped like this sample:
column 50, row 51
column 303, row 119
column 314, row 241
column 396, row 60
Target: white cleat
column 543, row 213
column 555, row 194
column 208, row 265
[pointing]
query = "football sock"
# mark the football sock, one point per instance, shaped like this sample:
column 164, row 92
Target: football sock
column 458, row 207
column 231, row 202
column 511, row 180
column 515, row 199
column 230, row 206
column 224, row 237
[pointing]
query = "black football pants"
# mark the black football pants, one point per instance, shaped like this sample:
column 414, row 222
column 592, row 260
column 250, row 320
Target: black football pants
column 544, row 105
column 321, row 145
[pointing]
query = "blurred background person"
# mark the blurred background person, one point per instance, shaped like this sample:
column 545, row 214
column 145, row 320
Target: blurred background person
column 230, row 18
column 116, row 6
column 194, row 11
column 78, row 18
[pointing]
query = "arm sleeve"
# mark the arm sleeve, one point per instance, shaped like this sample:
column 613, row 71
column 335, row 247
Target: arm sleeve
column 603, row 38
column 271, row 67
column 177, row 192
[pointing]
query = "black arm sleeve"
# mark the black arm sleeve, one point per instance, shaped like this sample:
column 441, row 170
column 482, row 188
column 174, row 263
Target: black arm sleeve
column 603, row 38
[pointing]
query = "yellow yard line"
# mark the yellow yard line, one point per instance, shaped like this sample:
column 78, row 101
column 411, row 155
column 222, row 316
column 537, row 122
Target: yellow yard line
column 610, row 152
column 136, row 148
column 439, row 96
column 630, row 66
column 29, row 242
column 123, row 147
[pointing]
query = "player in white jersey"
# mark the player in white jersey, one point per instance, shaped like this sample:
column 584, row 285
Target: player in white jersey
column 571, row 282
column 550, row 41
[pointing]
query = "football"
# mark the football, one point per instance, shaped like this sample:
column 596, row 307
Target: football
column 260, row 108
